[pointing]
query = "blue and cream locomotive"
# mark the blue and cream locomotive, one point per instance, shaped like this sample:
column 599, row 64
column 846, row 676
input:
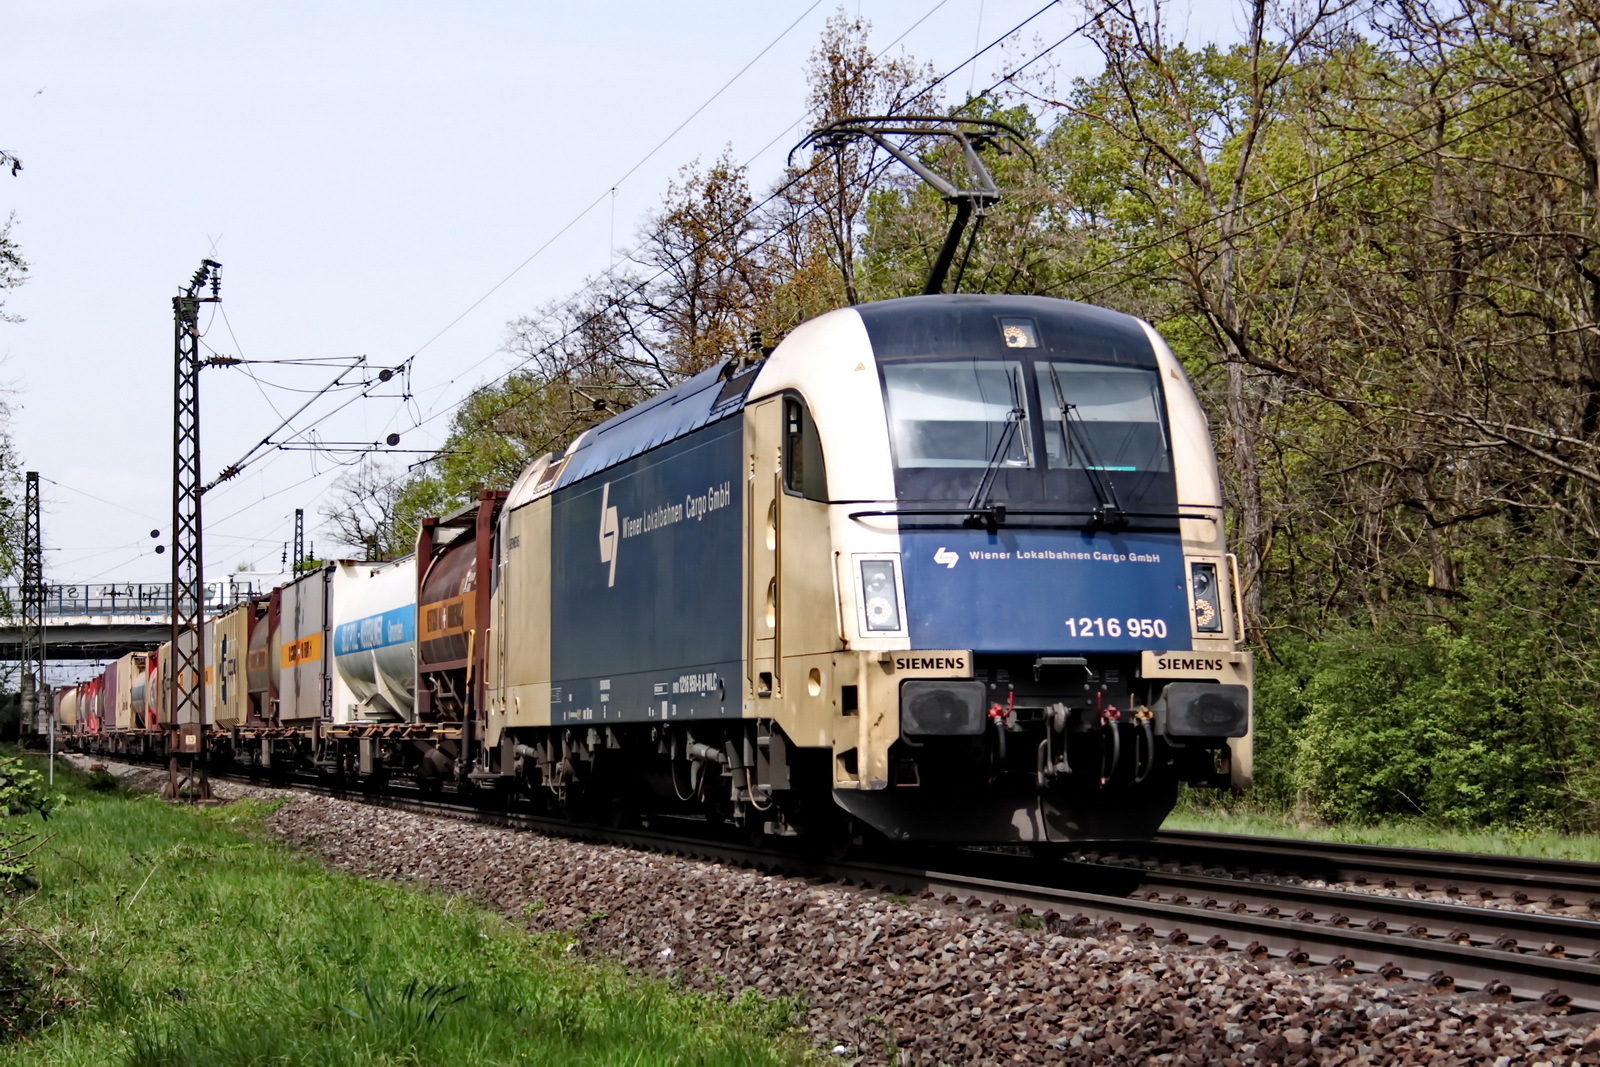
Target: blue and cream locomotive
column 953, row 565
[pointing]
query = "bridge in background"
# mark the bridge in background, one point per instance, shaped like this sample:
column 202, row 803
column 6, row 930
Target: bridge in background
column 104, row 620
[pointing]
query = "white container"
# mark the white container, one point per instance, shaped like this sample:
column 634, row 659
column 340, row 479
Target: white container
column 305, row 674
column 225, row 665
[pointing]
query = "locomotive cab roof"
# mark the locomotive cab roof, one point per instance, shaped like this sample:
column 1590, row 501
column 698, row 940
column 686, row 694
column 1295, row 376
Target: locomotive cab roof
column 905, row 327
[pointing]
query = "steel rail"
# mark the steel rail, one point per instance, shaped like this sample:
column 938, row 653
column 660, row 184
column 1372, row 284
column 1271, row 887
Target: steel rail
column 1423, row 870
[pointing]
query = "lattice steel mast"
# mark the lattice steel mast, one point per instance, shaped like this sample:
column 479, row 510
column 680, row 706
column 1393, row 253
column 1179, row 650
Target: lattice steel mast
column 185, row 675
column 32, row 678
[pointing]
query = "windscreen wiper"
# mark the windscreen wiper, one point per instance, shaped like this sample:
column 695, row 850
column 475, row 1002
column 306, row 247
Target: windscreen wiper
column 1074, row 433
column 980, row 510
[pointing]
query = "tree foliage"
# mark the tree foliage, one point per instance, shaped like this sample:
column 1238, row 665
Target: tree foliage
column 13, row 268
column 22, row 792
column 1372, row 234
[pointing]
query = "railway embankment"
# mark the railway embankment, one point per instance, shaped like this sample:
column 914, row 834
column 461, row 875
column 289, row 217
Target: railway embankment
column 888, row 979
column 172, row 935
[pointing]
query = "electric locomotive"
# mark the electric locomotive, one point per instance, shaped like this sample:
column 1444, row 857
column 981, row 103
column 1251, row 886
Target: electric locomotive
column 953, row 565
column 947, row 567
column 940, row 568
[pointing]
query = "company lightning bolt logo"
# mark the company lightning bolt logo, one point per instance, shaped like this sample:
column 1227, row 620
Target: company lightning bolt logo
column 608, row 534
column 946, row 558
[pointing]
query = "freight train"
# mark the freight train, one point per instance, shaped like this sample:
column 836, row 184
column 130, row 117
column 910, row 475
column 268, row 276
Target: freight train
column 941, row 568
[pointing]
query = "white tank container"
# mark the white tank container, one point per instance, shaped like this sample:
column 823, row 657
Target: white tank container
column 67, row 706
column 375, row 641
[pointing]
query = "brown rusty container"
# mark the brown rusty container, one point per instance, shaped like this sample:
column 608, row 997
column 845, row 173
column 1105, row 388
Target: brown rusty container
column 447, row 605
column 456, row 567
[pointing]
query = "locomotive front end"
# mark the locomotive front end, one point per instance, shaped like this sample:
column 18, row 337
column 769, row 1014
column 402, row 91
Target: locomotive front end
column 1030, row 569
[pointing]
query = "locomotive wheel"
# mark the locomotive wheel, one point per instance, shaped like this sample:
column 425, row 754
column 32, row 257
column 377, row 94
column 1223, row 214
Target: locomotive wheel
column 621, row 812
column 839, row 837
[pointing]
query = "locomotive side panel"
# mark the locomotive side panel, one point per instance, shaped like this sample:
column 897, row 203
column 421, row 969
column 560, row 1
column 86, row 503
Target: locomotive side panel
column 646, row 585
column 1205, row 543
column 794, row 667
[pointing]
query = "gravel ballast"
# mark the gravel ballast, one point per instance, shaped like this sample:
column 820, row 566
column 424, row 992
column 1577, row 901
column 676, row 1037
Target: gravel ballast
column 882, row 977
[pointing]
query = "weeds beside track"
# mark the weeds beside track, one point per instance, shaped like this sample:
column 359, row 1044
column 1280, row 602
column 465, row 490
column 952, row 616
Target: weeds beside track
column 193, row 939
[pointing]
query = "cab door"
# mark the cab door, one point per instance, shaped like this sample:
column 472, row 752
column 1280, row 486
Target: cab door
column 763, row 641
column 792, row 607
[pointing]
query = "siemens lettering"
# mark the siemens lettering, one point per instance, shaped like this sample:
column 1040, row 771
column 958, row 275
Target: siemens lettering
column 1187, row 663
column 930, row 663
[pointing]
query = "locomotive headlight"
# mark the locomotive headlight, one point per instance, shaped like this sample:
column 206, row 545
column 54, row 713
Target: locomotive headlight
column 880, row 595
column 1207, row 603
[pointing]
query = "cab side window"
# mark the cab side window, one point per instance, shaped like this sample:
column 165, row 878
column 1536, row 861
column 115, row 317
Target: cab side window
column 803, row 471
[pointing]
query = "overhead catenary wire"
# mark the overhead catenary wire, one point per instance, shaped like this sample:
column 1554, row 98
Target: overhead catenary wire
column 611, row 188
column 757, row 208
column 753, row 211
column 610, row 271
column 268, row 441
column 805, row 214
column 91, row 496
column 240, row 465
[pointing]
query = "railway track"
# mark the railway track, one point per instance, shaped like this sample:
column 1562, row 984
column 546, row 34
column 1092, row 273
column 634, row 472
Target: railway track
column 1180, row 894
column 1551, row 959
column 1505, row 879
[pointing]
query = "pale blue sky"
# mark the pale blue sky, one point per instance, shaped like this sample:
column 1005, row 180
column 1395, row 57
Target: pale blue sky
column 368, row 171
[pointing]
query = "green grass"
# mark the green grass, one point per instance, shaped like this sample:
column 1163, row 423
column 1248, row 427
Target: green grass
column 1405, row 834
column 198, row 941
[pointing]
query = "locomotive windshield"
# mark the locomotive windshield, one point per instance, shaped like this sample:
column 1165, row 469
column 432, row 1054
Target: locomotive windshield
column 1112, row 420
column 1049, row 428
column 953, row 413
